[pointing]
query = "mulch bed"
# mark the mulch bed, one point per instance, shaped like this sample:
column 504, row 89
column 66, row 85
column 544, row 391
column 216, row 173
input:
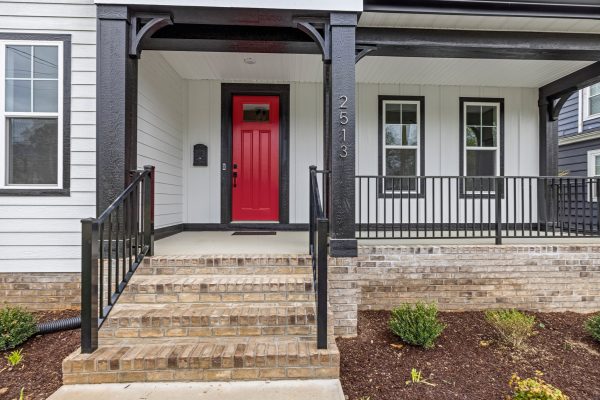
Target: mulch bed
column 462, row 366
column 40, row 372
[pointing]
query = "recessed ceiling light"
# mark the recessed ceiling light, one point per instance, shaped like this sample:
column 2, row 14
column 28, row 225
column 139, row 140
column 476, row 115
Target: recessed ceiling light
column 249, row 60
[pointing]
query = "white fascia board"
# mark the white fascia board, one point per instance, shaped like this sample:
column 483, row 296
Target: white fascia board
column 326, row 5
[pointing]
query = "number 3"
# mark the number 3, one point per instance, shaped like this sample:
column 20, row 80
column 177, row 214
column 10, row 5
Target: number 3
column 344, row 152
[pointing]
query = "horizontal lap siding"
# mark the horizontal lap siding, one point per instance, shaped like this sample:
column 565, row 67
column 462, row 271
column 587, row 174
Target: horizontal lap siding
column 161, row 118
column 568, row 120
column 43, row 233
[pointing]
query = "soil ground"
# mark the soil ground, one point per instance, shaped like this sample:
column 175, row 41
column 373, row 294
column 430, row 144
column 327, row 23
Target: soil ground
column 468, row 362
column 40, row 372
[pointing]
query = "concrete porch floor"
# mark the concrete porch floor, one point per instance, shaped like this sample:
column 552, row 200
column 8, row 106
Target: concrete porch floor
column 223, row 242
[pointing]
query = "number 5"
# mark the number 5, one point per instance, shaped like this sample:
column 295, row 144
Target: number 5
column 343, row 117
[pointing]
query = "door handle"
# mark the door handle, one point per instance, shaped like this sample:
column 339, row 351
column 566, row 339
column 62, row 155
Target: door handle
column 235, row 179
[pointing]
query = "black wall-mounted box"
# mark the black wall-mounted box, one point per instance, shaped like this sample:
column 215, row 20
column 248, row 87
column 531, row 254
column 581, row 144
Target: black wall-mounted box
column 200, row 155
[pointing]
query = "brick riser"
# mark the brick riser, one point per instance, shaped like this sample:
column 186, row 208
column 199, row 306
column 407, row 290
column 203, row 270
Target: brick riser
column 211, row 319
column 254, row 359
column 196, row 320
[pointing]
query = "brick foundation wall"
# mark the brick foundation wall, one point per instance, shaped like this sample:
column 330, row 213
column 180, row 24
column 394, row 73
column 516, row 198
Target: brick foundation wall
column 40, row 291
column 465, row 277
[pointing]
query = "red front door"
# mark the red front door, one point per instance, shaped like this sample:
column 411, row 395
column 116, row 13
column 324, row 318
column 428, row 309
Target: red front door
column 255, row 167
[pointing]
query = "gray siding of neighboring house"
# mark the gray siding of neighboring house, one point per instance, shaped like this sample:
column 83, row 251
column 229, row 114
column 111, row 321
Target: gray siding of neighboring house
column 573, row 157
column 568, row 119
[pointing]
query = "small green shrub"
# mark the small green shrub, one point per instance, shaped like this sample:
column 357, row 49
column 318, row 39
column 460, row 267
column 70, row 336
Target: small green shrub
column 512, row 326
column 16, row 326
column 592, row 326
column 15, row 357
column 534, row 389
column 417, row 325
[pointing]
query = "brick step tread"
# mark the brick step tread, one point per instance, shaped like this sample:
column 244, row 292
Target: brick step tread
column 219, row 260
column 163, row 284
column 268, row 264
column 171, row 320
column 205, row 360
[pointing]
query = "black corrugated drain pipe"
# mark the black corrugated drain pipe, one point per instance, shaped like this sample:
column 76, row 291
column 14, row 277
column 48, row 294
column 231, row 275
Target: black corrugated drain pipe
column 58, row 325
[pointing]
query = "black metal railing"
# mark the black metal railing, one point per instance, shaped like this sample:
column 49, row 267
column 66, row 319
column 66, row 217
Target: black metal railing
column 112, row 247
column 318, row 243
column 432, row 207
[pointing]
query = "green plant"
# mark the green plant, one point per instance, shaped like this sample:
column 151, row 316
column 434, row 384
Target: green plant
column 534, row 389
column 513, row 326
column 417, row 325
column 592, row 326
column 15, row 358
column 415, row 375
column 22, row 396
column 16, row 326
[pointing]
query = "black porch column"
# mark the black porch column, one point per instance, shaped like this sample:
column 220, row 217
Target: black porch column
column 548, row 135
column 342, row 139
column 116, row 105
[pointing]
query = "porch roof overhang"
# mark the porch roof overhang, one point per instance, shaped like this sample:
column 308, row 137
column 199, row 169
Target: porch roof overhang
column 535, row 8
column 431, row 43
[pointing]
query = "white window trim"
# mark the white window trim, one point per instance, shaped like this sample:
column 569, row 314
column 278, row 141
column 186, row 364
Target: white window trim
column 481, row 148
column 4, row 115
column 585, row 106
column 591, row 170
column 417, row 147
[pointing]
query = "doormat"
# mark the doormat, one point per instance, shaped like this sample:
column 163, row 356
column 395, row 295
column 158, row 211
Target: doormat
column 253, row 233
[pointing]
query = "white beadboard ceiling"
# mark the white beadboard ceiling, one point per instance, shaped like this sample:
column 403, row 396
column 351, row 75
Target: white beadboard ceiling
column 407, row 70
column 431, row 21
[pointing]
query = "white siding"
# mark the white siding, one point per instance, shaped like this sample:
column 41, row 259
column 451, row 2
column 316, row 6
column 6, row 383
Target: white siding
column 161, row 122
column 42, row 233
column 202, row 201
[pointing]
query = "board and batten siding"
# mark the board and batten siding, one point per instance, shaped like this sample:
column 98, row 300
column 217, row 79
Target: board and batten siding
column 442, row 110
column 161, row 127
column 42, row 234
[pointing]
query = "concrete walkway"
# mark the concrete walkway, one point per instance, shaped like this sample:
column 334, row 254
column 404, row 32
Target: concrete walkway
column 326, row 389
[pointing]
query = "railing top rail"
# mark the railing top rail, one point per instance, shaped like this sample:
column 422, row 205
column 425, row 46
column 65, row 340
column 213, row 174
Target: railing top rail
column 141, row 174
column 476, row 177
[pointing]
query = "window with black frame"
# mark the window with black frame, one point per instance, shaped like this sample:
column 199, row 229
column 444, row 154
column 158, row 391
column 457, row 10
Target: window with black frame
column 32, row 108
column 401, row 142
column 481, row 136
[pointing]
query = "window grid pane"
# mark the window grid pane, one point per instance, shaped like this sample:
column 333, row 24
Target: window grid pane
column 32, row 142
column 31, row 79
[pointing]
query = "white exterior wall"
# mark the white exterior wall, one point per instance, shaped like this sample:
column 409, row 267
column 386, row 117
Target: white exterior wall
column 43, row 233
column 442, row 111
column 203, row 184
column 161, row 126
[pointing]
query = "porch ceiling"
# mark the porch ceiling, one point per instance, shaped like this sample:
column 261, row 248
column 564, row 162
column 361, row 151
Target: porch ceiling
column 387, row 70
column 478, row 22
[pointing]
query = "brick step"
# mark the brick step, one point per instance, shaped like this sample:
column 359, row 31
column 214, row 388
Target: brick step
column 218, row 288
column 239, row 359
column 226, row 265
column 137, row 321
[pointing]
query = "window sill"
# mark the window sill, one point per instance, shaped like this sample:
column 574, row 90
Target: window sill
column 35, row 192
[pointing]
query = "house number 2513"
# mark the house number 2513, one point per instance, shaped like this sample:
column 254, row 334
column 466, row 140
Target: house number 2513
column 343, row 121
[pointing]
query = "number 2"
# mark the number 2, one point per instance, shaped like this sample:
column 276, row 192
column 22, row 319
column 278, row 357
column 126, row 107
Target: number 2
column 344, row 100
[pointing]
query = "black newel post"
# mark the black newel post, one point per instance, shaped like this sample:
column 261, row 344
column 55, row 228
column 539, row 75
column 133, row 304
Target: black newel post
column 89, row 285
column 342, row 135
column 149, row 209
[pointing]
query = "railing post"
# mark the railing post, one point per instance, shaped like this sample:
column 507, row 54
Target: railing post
column 498, row 210
column 311, row 208
column 149, row 209
column 322, row 283
column 89, row 285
